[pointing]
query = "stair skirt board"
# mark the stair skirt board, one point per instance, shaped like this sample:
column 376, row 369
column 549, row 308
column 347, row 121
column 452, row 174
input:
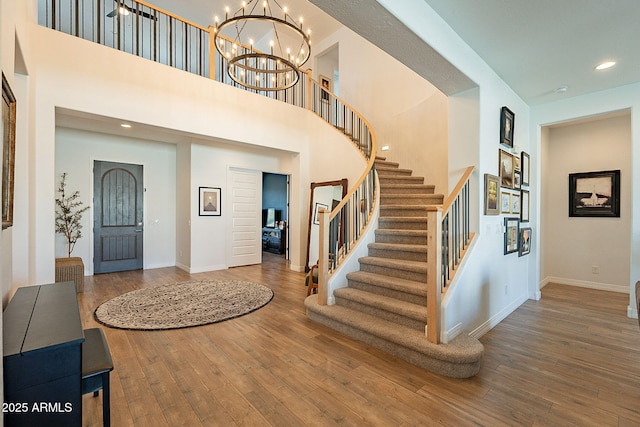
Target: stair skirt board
column 459, row 359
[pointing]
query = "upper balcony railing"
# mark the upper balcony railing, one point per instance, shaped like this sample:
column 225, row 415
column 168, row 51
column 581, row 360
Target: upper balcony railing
column 141, row 29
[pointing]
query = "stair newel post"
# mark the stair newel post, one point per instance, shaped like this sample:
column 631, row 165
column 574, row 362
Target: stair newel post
column 434, row 273
column 323, row 260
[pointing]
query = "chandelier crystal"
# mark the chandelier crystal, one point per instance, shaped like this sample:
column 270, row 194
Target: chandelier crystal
column 263, row 47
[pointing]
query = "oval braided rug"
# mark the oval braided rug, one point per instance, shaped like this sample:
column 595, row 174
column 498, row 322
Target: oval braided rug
column 182, row 305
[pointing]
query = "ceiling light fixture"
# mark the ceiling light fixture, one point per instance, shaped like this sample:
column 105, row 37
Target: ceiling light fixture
column 561, row 89
column 264, row 47
column 125, row 125
column 605, row 65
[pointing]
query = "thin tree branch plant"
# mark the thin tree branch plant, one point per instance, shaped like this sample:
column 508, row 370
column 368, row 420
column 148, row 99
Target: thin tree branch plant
column 69, row 212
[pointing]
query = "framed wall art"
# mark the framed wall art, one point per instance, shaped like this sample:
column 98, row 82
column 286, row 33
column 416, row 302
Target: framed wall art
column 505, row 203
column 507, row 121
column 515, row 204
column 491, row 194
column 210, row 201
column 516, row 179
column 326, row 84
column 511, row 235
column 505, row 163
column 8, row 130
column 525, row 241
column 525, row 168
column 594, row 194
column 524, row 206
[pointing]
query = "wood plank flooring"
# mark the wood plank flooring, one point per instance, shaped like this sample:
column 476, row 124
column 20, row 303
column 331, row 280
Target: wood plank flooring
column 572, row 358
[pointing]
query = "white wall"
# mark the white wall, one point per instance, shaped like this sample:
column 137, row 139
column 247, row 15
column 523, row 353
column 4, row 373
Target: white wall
column 76, row 152
column 574, row 245
column 121, row 86
column 406, row 112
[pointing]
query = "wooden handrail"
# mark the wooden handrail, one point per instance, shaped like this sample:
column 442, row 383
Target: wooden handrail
column 446, row 205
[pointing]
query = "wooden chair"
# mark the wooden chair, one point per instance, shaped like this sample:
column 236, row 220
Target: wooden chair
column 311, row 280
column 96, row 366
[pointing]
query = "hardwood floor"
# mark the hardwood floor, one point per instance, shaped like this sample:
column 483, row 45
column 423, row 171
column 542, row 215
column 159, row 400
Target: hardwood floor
column 572, row 358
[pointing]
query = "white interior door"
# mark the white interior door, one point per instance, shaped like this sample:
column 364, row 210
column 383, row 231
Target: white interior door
column 245, row 229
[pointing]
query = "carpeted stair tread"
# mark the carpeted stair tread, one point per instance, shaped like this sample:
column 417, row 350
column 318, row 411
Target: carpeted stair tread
column 411, row 199
column 401, row 179
column 402, row 223
column 413, row 266
column 412, row 311
column 386, row 164
column 385, row 171
column 461, row 356
column 397, row 188
column 394, row 283
column 398, row 247
column 400, row 232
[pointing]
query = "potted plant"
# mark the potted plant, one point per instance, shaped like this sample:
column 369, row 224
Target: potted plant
column 69, row 212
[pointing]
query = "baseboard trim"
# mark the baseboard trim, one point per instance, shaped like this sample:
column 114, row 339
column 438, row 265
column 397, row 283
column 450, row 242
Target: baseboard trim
column 586, row 284
column 499, row 317
column 208, row 268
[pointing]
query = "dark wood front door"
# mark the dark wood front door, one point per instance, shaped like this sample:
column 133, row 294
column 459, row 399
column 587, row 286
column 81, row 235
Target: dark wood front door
column 118, row 217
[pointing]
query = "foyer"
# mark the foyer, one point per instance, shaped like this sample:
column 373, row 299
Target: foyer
column 551, row 362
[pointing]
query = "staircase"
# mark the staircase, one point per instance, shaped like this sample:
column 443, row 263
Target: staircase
column 385, row 303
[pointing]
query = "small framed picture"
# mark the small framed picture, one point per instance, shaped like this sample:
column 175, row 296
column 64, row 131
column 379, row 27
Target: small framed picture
column 505, row 203
column 594, row 194
column 525, row 168
column 210, row 201
column 516, row 178
column 507, row 119
column 316, row 212
column 511, row 235
column 491, row 194
column 515, row 204
column 524, row 206
column 505, row 162
column 525, row 241
column 326, row 84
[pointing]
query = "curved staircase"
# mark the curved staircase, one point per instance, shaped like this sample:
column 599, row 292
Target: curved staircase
column 385, row 303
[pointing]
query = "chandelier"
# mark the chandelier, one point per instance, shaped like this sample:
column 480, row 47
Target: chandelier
column 264, row 47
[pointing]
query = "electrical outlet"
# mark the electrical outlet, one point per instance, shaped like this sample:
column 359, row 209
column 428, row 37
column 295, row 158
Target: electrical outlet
column 595, row 269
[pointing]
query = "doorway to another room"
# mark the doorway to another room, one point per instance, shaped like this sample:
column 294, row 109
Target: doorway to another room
column 275, row 214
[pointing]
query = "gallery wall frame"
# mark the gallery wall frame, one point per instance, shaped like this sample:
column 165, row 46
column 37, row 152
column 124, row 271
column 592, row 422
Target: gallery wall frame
column 594, row 194
column 511, row 235
column 210, row 199
column 505, row 202
column 524, row 205
column 491, row 194
column 505, row 164
column 507, row 122
column 525, row 241
column 525, row 162
column 8, row 152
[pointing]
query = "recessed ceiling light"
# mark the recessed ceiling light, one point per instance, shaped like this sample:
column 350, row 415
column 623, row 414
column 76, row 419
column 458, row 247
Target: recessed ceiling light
column 605, row 65
column 126, row 125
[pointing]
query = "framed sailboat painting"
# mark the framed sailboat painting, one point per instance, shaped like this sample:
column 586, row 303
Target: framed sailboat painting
column 594, row 194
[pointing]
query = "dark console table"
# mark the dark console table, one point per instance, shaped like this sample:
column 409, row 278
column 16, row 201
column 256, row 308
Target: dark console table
column 42, row 336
